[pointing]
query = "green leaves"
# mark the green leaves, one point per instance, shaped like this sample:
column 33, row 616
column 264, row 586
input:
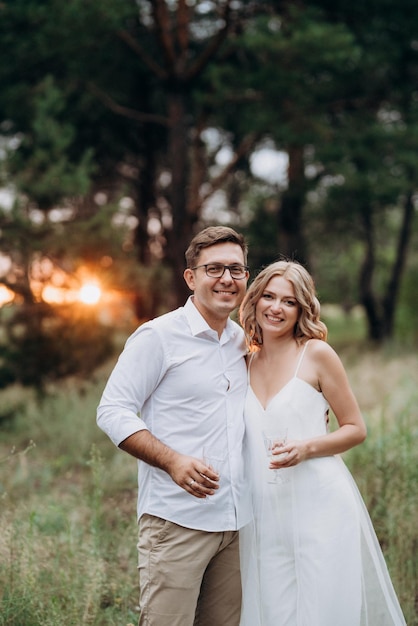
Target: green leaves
column 46, row 166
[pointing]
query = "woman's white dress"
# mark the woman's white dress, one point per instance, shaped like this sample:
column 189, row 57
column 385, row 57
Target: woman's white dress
column 310, row 557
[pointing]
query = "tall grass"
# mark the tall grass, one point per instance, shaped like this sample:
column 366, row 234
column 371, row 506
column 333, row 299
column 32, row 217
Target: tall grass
column 385, row 467
column 67, row 500
column 67, row 541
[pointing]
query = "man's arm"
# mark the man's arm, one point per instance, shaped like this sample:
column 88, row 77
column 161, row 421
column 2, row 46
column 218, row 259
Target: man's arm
column 188, row 472
column 131, row 382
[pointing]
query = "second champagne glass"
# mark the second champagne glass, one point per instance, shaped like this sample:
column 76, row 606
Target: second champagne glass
column 271, row 439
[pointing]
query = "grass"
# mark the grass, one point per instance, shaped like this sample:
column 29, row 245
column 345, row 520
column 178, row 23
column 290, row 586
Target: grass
column 68, row 497
column 385, row 468
column 67, row 546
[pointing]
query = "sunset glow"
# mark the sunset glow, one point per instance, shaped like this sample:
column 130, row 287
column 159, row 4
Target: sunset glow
column 5, row 295
column 54, row 285
column 59, row 295
column 90, row 293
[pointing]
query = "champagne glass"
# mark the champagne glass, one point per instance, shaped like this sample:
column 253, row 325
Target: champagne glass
column 271, row 440
column 214, row 457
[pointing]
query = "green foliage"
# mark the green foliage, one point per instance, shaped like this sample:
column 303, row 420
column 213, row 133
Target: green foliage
column 44, row 345
column 289, row 66
column 42, row 167
column 40, row 342
column 85, row 101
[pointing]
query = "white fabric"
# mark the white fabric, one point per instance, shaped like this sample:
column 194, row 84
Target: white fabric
column 189, row 387
column 310, row 557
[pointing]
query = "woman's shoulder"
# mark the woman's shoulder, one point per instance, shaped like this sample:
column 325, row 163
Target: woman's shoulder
column 323, row 361
column 321, row 350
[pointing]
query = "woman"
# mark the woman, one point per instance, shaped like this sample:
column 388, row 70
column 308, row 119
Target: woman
column 310, row 557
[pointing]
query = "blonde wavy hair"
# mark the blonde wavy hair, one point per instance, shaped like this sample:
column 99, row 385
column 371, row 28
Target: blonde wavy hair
column 308, row 326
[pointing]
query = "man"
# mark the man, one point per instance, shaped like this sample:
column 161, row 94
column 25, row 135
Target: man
column 185, row 374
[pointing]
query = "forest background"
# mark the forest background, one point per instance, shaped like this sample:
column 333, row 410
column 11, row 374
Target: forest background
column 125, row 127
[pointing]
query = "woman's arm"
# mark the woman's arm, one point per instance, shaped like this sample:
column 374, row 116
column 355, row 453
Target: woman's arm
column 333, row 382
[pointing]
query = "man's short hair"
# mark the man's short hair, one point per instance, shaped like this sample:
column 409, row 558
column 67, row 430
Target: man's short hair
column 212, row 236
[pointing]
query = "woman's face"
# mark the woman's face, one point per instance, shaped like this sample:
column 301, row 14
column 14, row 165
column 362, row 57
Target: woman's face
column 277, row 310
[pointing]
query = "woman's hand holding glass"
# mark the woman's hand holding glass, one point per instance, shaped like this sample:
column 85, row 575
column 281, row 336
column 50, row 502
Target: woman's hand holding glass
column 273, row 442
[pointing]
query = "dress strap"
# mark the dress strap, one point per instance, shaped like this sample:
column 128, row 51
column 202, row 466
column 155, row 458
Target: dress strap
column 300, row 359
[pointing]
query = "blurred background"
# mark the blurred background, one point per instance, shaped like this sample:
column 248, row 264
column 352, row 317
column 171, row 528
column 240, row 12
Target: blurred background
column 126, row 127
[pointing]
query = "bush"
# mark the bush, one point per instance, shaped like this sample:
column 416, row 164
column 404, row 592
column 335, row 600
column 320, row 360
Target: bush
column 44, row 344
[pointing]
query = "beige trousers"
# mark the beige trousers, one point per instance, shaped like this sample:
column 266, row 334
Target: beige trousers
column 187, row 577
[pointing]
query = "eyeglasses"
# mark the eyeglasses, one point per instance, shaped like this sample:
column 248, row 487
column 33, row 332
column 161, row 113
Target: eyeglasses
column 217, row 270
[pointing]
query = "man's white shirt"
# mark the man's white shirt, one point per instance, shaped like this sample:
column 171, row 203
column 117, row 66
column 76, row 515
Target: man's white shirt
column 186, row 385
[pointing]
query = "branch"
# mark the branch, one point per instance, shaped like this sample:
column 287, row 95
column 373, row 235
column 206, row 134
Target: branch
column 164, row 35
column 245, row 146
column 13, row 452
column 182, row 23
column 162, row 21
column 126, row 111
column 138, row 49
column 213, row 46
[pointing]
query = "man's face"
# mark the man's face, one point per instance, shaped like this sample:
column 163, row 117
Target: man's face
column 216, row 298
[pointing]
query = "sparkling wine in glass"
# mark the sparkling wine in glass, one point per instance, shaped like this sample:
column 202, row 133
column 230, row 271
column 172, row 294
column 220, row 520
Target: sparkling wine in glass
column 271, row 440
column 214, row 457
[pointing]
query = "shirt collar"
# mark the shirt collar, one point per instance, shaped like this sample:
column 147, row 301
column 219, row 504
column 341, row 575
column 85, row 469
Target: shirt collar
column 199, row 326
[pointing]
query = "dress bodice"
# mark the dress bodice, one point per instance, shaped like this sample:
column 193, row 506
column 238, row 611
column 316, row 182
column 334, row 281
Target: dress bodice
column 297, row 406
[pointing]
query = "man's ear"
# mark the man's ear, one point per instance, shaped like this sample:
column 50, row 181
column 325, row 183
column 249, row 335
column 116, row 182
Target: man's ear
column 188, row 276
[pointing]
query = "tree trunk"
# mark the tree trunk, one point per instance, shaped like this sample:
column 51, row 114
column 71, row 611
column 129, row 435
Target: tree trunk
column 380, row 312
column 291, row 241
column 367, row 296
column 146, row 197
column 390, row 299
column 178, row 238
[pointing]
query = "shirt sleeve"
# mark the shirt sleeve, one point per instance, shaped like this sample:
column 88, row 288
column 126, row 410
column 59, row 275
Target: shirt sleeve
column 137, row 373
